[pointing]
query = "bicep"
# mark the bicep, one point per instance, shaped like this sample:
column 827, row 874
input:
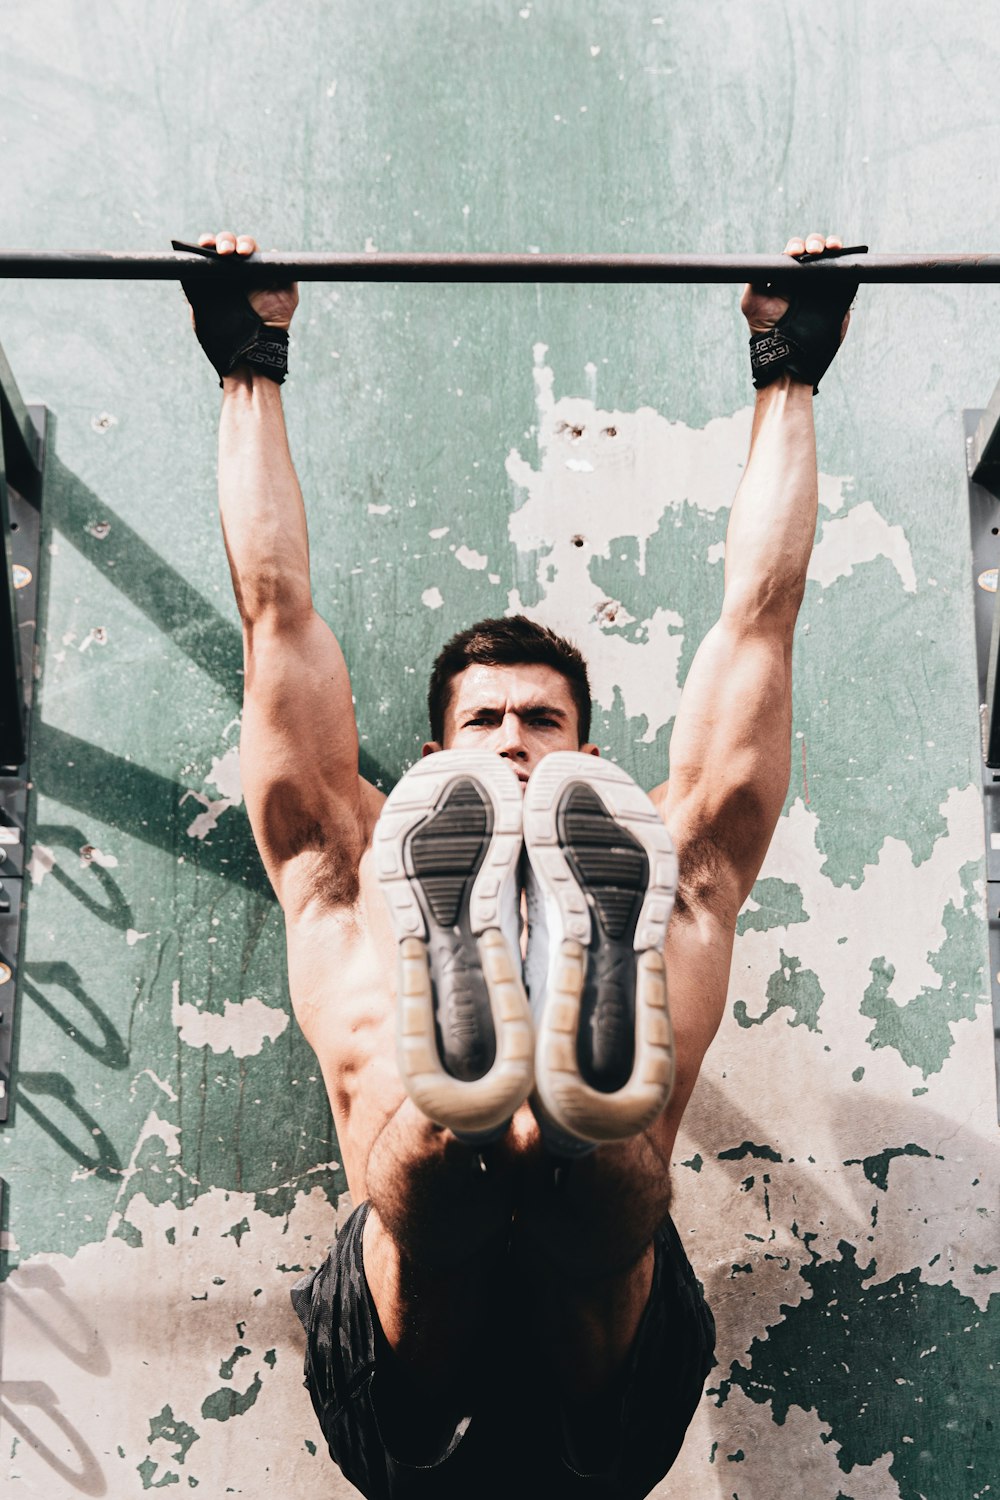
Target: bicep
column 729, row 760
column 299, row 760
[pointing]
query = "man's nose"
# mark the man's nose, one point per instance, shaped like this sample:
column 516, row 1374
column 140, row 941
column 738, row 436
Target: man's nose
column 510, row 741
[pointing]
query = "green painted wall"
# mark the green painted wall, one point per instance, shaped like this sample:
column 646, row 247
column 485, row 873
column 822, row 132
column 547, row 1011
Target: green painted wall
column 170, row 1164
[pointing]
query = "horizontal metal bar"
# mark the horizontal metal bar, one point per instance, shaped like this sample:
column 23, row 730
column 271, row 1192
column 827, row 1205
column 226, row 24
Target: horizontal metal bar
column 111, row 265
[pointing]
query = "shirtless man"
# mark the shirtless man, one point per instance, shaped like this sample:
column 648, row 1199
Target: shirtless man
column 509, row 1304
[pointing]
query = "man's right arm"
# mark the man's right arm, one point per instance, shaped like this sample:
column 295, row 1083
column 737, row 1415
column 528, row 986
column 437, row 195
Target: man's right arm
column 310, row 812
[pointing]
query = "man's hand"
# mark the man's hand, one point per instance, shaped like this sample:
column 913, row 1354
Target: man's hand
column 762, row 308
column 240, row 324
column 274, row 305
column 797, row 325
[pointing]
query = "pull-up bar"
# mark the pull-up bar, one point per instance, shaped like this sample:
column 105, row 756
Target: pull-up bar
column 303, row 265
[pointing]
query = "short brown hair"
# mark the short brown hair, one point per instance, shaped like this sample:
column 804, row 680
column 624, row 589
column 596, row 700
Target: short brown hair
column 507, row 642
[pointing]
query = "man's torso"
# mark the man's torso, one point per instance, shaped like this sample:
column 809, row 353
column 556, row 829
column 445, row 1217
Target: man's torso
column 342, row 981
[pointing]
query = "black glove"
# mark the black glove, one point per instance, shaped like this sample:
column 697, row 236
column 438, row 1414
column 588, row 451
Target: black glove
column 228, row 329
column 805, row 339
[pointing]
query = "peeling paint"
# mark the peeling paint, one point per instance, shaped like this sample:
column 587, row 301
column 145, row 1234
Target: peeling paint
column 653, row 468
column 224, row 775
column 206, row 821
column 858, row 1373
column 91, row 856
column 161, row 1084
column 876, row 1167
column 476, row 561
column 242, row 1028
column 96, row 636
column 42, row 861
column 848, row 928
column 860, row 536
column 64, row 1320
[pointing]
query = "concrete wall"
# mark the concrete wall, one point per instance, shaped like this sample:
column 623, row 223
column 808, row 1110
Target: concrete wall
column 170, row 1165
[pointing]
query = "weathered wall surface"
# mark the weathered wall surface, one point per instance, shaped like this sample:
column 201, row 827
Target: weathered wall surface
column 572, row 452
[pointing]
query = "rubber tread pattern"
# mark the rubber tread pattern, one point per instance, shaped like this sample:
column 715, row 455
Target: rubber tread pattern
column 609, row 863
column 444, row 855
column 612, row 869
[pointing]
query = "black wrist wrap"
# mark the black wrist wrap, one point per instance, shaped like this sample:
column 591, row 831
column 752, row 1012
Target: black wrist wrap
column 803, row 342
column 227, row 327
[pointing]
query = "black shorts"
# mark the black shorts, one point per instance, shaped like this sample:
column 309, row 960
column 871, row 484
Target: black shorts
column 510, row 1439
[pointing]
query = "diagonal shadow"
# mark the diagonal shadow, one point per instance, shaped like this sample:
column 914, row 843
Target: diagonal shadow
column 116, row 911
column 162, row 594
column 87, row 1351
column 143, row 804
column 89, row 1477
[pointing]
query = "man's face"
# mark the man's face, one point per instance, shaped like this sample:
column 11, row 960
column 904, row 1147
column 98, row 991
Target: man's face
column 520, row 712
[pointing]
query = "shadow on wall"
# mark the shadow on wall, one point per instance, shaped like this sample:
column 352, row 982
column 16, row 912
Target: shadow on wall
column 138, row 801
column 66, row 1332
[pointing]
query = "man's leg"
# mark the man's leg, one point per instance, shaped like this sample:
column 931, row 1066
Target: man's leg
column 436, row 1246
column 448, row 1229
column 583, row 1244
column 441, row 1208
column 441, row 1213
column 436, row 1260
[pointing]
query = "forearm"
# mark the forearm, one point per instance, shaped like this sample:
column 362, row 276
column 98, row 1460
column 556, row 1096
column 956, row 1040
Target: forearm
column 263, row 518
column 773, row 519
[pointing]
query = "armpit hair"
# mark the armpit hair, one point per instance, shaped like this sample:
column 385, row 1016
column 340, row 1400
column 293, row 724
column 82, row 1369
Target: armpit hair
column 701, row 878
column 715, row 853
column 335, row 879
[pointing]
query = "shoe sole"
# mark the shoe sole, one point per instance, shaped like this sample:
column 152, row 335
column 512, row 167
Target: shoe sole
column 607, row 873
column 447, row 846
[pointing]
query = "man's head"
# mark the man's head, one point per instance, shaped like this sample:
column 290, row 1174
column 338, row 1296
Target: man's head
column 513, row 687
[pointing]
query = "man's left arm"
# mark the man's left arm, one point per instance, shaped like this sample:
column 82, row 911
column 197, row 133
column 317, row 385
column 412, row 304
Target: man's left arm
column 730, row 750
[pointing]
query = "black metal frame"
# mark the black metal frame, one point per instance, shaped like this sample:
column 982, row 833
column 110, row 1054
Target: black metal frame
column 982, row 439
column 301, row 265
column 22, row 451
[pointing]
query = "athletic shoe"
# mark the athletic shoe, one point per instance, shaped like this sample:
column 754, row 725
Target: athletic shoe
column 447, row 846
column 601, row 881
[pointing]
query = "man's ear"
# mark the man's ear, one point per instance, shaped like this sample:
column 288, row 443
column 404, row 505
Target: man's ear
column 430, row 747
column 589, row 749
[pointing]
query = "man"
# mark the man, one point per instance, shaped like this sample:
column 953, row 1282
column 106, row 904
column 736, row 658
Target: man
column 510, row 1302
